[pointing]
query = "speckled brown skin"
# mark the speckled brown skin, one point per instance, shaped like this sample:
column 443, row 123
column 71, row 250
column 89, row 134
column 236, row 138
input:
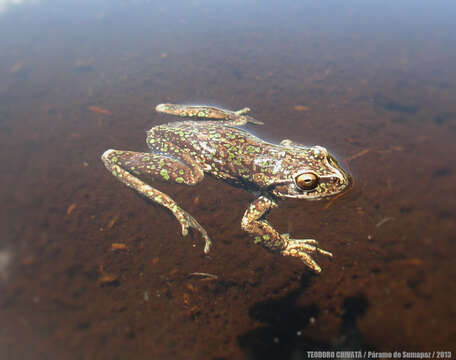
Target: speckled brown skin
column 184, row 151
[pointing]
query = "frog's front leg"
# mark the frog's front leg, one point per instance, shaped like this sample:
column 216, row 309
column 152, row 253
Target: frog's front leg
column 254, row 223
column 127, row 165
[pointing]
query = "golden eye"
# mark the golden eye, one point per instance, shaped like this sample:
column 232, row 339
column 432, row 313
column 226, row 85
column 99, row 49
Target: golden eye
column 307, row 181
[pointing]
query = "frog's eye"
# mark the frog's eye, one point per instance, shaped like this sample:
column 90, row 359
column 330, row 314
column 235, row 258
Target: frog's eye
column 307, row 181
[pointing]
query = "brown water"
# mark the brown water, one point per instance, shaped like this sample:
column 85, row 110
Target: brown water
column 375, row 82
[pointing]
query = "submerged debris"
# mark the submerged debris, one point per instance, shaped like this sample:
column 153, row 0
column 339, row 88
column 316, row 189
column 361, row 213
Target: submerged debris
column 118, row 246
column 300, row 108
column 203, row 274
column 358, row 154
column 71, row 208
column 409, row 262
column 383, row 221
column 334, row 198
column 99, row 110
column 112, row 221
column 106, row 278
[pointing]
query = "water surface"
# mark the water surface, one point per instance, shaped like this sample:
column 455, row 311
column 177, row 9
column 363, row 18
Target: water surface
column 373, row 82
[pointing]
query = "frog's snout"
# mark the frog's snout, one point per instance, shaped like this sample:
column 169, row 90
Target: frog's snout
column 342, row 181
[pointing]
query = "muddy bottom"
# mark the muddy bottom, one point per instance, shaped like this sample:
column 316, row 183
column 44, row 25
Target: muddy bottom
column 90, row 270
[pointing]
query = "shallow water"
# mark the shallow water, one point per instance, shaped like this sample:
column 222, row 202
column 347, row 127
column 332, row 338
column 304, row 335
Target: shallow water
column 374, row 83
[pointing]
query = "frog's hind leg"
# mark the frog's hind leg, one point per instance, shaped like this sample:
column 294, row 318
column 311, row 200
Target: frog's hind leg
column 234, row 118
column 127, row 165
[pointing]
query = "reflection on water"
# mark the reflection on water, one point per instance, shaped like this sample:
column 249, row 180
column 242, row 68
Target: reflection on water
column 5, row 4
column 90, row 270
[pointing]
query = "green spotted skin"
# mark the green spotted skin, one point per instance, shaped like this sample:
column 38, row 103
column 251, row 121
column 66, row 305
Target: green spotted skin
column 182, row 152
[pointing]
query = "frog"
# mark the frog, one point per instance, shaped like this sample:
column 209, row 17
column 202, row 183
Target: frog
column 214, row 141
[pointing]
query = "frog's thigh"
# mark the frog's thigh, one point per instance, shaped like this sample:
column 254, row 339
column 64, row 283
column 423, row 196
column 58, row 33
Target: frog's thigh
column 125, row 165
column 160, row 167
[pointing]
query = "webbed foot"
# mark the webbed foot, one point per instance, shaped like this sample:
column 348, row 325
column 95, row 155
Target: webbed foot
column 246, row 118
column 187, row 221
column 301, row 248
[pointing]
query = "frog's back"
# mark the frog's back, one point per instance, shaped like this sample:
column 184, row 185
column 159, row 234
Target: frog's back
column 224, row 151
column 212, row 133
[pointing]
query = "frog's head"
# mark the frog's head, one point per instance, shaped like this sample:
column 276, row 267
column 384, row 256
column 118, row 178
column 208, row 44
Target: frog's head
column 314, row 176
